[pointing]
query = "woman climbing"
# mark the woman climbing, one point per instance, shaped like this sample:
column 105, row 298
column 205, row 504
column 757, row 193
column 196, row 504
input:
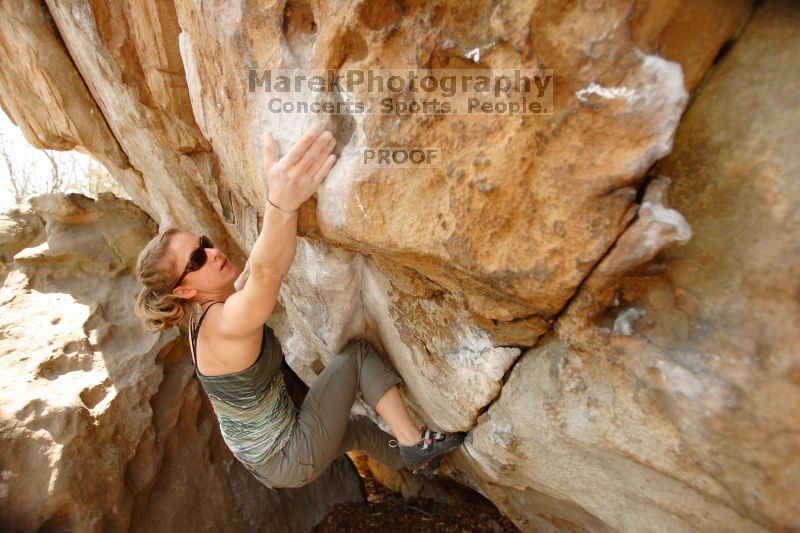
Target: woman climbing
column 237, row 357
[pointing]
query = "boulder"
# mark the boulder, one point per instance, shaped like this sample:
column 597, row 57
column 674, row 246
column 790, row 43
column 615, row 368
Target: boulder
column 104, row 426
column 619, row 338
column 660, row 401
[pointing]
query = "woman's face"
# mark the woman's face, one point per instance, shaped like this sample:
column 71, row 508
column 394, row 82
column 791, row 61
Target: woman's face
column 215, row 275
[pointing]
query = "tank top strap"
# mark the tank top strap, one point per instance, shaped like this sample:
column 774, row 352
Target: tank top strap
column 193, row 330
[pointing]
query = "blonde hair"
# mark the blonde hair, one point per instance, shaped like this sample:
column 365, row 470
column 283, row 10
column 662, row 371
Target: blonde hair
column 156, row 305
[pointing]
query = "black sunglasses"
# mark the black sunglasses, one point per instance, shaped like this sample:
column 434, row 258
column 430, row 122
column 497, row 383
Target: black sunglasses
column 197, row 259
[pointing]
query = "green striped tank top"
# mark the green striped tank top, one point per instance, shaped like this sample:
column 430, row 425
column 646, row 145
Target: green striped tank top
column 256, row 415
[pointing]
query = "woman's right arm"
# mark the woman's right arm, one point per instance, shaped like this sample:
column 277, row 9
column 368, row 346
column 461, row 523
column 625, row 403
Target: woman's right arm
column 291, row 181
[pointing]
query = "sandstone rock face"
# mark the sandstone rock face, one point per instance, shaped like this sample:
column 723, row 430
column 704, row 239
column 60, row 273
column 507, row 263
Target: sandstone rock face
column 104, row 427
column 141, row 127
column 620, row 340
column 667, row 387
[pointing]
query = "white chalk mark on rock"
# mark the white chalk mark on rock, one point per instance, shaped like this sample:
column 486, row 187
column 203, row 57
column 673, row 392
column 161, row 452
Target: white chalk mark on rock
column 608, row 93
column 623, row 324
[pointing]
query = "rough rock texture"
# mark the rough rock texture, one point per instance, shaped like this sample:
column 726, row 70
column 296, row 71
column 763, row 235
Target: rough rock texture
column 113, row 87
column 667, row 388
column 620, row 340
column 104, row 427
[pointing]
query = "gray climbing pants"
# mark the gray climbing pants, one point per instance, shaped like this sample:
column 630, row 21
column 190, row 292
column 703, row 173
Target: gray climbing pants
column 325, row 428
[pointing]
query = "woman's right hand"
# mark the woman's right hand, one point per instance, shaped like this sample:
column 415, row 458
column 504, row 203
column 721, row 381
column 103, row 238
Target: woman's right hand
column 297, row 175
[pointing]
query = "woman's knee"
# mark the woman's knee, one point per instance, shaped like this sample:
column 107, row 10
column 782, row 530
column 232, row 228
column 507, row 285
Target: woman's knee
column 356, row 346
column 357, row 349
column 347, row 357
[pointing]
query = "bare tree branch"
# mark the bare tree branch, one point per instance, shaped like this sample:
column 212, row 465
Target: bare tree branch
column 19, row 176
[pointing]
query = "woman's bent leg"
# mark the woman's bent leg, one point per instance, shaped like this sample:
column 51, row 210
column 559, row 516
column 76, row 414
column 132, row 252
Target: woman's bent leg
column 325, row 412
column 365, row 435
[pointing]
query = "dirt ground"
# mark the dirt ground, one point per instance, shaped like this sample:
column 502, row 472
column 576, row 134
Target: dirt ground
column 388, row 512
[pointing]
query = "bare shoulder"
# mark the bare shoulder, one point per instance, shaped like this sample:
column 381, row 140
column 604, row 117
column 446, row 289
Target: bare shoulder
column 219, row 355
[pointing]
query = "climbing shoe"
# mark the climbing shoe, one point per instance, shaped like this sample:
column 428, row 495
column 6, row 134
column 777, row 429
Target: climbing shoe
column 429, row 469
column 420, row 457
